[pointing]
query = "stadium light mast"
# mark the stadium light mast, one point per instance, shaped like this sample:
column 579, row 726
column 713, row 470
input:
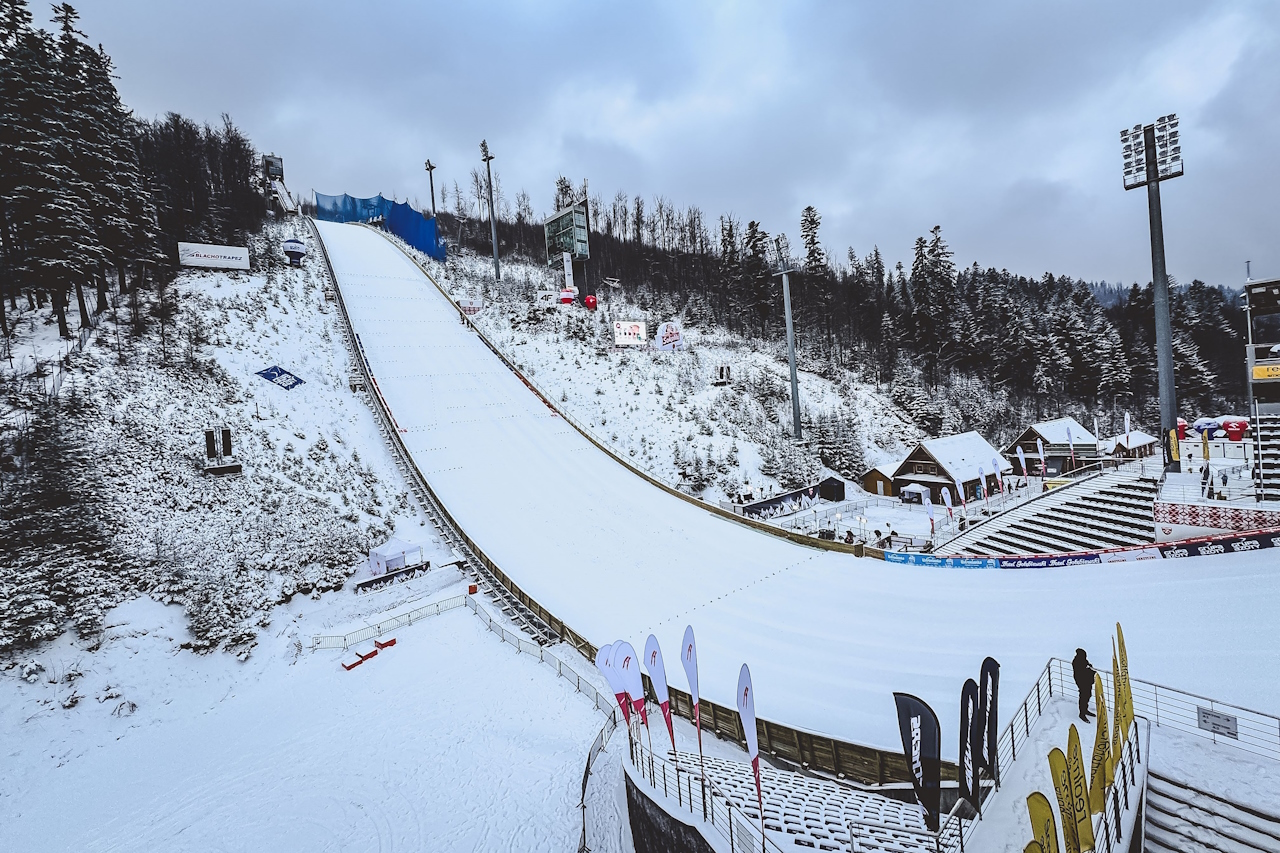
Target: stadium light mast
column 431, row 167
column 1153, row 153
column 493, row 221
column 784, row 270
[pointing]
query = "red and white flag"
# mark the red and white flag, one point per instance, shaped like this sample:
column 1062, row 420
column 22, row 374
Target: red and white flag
column 689, row 658
column 995, row 466
column 1044, row 470
column 658, row 677
column 928, row 508
column 946, row 499
column 605, row 665
column 628, row 666
column 747, row 713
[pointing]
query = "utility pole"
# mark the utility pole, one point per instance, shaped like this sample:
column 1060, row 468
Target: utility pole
column 432, row 178
column 1153, row 154
column 784, row 270
column 493, row 220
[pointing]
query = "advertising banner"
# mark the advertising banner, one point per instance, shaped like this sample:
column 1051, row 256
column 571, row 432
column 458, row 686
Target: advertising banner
column 1129, row 555
column 989, row 710
column 628, row 667
column 279, row 376
column 670, row 337
column 689, row 658
column 1043, row 826
column 1100, row 769
column 747, row 713
column 1048, row 561
column 213, row 257
column 970, row 745
column 922, row 746
column 629, row 333
column 568, row 271
column 1066, row 803
column 1079, row 790
column 934, row 561
column 658, row 677
column 605, row 665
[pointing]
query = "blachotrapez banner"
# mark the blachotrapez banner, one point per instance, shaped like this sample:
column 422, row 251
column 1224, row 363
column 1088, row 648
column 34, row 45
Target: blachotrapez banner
column 400, row 219
column 922, row 746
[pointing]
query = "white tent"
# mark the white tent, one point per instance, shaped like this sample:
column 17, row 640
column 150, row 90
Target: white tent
column 394, row 554
column 913, row 493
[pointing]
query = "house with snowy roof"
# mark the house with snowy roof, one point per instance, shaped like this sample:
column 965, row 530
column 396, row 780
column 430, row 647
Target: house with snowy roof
column 942, row 463
column 1134, row 444
column 878, row 480
column 1067, row 446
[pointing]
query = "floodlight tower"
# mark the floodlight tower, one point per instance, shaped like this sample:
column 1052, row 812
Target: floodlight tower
column 1153, row 153
column 493, row 221
column 431, row 167
column 784, row 270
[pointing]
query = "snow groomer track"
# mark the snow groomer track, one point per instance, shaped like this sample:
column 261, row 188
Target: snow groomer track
column 596, row 553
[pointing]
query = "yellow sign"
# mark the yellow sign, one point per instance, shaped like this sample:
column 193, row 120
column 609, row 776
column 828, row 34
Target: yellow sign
column 1126, row 707
column 1066, row 803
column 1079, row 791
column 1174, row 445
column 1100, row 771
column 1266, row 371
column 1043, row 827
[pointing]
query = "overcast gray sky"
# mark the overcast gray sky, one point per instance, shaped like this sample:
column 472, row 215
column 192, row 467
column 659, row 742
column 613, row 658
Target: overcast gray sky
column 997, row 120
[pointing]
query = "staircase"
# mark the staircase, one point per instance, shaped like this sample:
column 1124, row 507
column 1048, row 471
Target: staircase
column 1268, row 426
column 1181, row 818
column 1109, row 510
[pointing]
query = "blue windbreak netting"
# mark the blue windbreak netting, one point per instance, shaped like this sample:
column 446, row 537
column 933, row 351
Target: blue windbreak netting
column 400, row 219
column 415, row 229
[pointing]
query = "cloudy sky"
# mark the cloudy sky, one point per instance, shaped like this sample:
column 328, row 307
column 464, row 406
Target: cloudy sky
column 997, row 120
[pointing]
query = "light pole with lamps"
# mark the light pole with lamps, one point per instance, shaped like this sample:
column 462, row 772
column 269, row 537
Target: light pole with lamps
column 784, row 270
column 431, row 167
column 493, row 221
column 1153, row 153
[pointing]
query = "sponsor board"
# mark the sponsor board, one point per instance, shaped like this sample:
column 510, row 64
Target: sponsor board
column 1129, row 555
column 629, row 333
column 934, row 561
column 669, row 337
column 1048, row 561
column 280, row 376
column 213, row 257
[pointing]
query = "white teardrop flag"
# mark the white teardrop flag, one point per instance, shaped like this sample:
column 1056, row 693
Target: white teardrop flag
column 995, row 466
column 689, row 658
column 1044, row 469
column 605, row 665
column 658, row 676
column 946, row 499
column 928, row 508
column 747, row 713
column 1022, row 460
column 628, row 666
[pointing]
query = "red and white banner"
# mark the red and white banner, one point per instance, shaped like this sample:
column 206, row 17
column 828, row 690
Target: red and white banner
column 995, row 466
column 605, row 665
column 689, row 658
column 1022, row 460
column 628, row 667
column 658, row 676
column 747, row 713
column 946, row 499
column 1044, row 472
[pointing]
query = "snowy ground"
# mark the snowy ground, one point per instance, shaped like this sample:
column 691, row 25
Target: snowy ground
column 450, row 740
column 829, row 637
column 661, row 410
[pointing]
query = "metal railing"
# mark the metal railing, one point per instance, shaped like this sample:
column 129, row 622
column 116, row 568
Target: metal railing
column 1120, row 797
column 386, row 626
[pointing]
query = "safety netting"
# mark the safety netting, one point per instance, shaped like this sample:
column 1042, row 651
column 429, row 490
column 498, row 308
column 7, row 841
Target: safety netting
column 397, row 217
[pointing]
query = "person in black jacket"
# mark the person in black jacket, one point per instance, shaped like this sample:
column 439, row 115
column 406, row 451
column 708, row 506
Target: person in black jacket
column 1084, row 672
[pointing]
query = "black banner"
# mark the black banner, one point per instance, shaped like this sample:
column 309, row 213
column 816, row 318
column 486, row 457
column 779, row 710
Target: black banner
column 989, row 710
column 922, row 746
column 969, row 765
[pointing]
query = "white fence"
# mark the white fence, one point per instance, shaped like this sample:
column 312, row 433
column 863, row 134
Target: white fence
column 386, row 626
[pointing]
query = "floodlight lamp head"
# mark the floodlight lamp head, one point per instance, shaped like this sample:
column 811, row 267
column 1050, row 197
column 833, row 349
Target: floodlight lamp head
column 429, row 166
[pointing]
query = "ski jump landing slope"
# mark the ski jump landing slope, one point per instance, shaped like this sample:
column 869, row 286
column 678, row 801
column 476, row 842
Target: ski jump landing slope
column 828, row 636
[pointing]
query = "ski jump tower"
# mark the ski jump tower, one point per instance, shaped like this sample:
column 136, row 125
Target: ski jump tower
column 1262, row 307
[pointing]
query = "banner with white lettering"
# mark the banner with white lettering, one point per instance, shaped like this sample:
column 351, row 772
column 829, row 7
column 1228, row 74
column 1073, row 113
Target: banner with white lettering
column 970, row 745
column 989, row 711
column 658, row 677
column 747, row 713
column 213, row 257
column 669, row 337
column 922, row 746
column 689, row 658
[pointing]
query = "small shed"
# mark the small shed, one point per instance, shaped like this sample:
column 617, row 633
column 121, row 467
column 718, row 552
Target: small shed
column 913, row 493
column 1067, row 446
column 879, row 480
column 394, row 555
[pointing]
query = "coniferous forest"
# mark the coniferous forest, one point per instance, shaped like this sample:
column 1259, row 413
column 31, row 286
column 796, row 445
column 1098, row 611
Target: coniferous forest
column 89, row 191
column 960, row 347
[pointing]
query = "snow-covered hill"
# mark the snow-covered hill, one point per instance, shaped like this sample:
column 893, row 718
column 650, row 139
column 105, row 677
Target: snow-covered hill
column 318, row 486
column 663, row 410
